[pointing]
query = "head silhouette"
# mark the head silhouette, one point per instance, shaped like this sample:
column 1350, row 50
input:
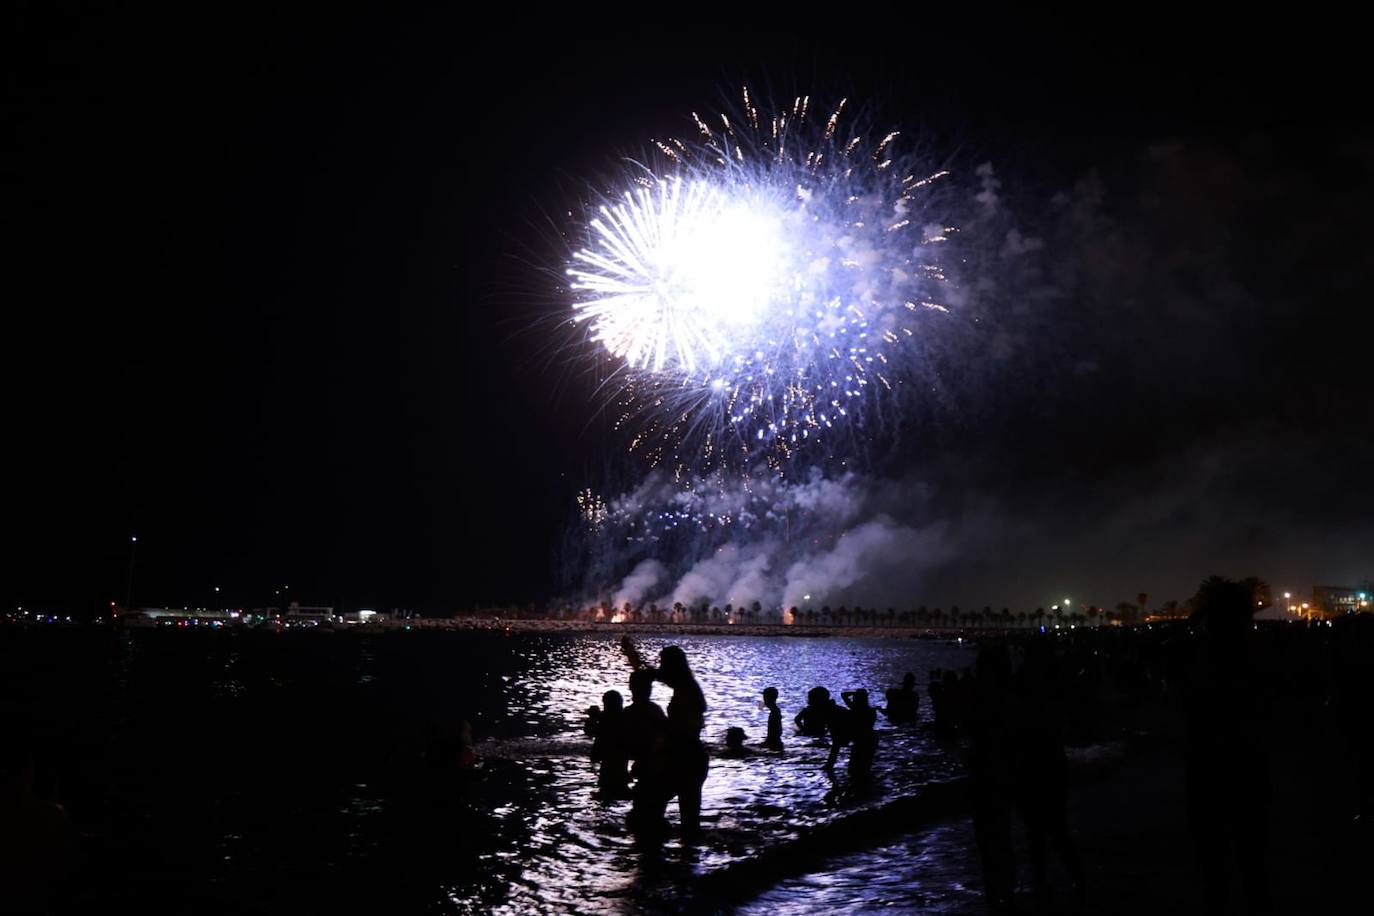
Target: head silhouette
column 672, row 666
column 1040, row 668
column 994, row 668
column 641, row 685
column 613, row 701
column 1223, row 608
column 770, row 696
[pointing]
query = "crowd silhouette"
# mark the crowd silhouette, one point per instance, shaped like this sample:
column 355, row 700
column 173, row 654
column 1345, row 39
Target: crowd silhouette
column 651, row 756
column 1024, row 701
column 36, row 837
column 1017, row 766
column 1015, row 728
column 1013, row 713
column 1225, row 765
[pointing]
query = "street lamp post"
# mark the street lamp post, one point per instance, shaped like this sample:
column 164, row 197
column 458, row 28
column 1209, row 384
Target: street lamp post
column 129, row 590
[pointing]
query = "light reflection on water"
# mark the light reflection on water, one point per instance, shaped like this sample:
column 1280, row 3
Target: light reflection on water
column 574, row 851
column 285, row 773
column 924, row 872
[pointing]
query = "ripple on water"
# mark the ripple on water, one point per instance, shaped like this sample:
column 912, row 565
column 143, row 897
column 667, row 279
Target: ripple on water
column 577, row 855
column 235, row 759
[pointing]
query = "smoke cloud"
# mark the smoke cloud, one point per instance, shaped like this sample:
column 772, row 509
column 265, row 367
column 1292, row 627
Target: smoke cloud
column 1123, row 398
column 646, row 575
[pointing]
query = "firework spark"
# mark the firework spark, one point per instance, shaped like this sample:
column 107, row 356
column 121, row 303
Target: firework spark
column 592, row 508
column 676, row 270
column 757, row 284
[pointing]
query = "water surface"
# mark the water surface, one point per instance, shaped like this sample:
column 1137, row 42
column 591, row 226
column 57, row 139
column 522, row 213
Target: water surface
column 248, row 772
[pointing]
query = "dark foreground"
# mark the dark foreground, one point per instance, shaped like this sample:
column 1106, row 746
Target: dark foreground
column 1127, row 813
column 232, row 773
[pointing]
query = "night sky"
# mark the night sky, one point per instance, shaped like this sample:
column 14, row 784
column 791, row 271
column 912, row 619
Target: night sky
column 281, row 298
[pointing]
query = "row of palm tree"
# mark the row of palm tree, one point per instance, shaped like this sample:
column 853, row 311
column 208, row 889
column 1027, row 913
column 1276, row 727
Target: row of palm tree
column 825, row 616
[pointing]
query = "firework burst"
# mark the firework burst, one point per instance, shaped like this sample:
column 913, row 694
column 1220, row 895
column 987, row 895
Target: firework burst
column 756, row 285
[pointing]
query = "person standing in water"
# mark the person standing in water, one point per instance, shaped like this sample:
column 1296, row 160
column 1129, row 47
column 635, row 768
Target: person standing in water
column 770, row 702
column 610, row 749
column 812, row 720
column 862, row 718
column 839, row 722
column 903, row 702
column 687, row 759
column 645, row 728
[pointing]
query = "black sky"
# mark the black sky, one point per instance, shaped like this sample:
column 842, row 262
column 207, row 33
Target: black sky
column 275, row 285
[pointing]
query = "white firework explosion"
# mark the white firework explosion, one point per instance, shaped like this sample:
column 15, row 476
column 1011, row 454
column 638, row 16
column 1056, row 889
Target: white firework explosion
column 756, row 286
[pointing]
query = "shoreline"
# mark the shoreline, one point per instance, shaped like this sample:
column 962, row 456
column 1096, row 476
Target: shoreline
column 516, row 626
column 796, row 631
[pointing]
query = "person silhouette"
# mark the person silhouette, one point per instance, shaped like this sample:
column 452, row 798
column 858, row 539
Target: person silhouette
column 37, row 842
column 944, row 701
column 990, row 725
column 773, row 741
column 839, row 722
column 467, row 754
column 449, row 751
column 811, row 720
column 734, row 743
column 592, row 721
column 862, row 719
column 610, row 748
column 1226, row 767
column 903, row 702
column 688, row 762
column 645, row 729
column 1041, row 776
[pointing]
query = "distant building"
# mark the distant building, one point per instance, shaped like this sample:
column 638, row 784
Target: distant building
column 1332, row 600
column 176, row 617
column 299, row 615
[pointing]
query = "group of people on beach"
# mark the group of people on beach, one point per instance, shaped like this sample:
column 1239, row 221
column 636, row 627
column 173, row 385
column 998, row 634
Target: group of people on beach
column 661, row 752
column 1016, row 757
column 650, row 756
